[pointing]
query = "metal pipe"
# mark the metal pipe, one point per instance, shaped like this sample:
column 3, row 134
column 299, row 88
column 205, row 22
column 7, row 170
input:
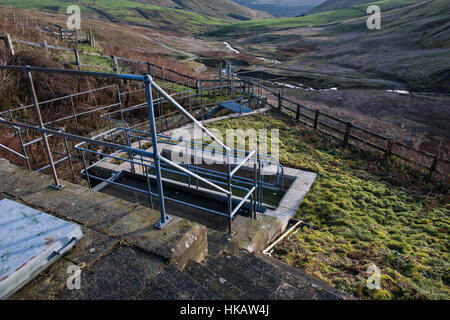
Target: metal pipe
column 56, row 183
column 236, row 169
column 187, row 114
column 156, row 156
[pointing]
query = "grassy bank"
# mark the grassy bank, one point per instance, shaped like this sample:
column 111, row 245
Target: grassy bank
column 362, row 215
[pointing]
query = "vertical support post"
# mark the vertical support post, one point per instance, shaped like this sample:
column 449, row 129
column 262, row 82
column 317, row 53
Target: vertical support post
column 201, row 104
column 348, row 128
column 8, row 44
column 156, row 156
column 297, row 116
column 116, row 64
column 255, row 183
column 24, row 149
column 259, row 181
column 279, row 101
column 197, row 86
column 220, row 77
column 56, row 184
column 389, row 147
column 230, row 195
column 46, row 48
column 434, row 166
column 316, row 119
column 77, row 59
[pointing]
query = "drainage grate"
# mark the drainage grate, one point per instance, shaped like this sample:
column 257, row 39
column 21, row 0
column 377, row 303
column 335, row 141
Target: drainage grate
column 203, row 217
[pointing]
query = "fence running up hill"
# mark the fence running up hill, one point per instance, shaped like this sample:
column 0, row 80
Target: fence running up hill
column 349, row 133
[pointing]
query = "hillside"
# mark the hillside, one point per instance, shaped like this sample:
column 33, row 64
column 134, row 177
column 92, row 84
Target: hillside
column 281, row 8
column 222, row 9
column 184, row 16
column 337, row 4
column 321, row 18
column 412, row 47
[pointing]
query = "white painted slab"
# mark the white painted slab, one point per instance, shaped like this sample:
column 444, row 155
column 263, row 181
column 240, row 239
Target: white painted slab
column 30, row 241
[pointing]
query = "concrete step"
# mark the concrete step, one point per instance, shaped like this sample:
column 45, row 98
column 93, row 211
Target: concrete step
column 257, row 278
column 253, row 287
column 299, row 285
column 214, row 282
column 173, row 284
column 263, row 275
column 295, row 285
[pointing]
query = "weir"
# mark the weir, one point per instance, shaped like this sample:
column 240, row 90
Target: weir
column 212, row 195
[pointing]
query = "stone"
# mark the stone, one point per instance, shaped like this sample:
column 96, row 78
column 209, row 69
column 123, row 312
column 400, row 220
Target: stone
column 178, row 242
column 254, row 235
column 47, row 285
column 49, row 198
column 18, row 182
column 172, row 284
column 122, row 274
column 93, row 209
column 91, row 248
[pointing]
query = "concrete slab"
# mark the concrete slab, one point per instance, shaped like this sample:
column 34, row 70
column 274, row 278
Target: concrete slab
column 122, row 274
column 30, row 241
column 94, row 209
column 19, row 182
column 172, row 284
column 47, row 285
column 179, row 242
column 92, row 247
column 292, row 199
column 304, row 181
column 49, row 198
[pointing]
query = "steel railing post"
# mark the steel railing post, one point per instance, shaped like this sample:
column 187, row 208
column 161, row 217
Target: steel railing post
column 255, row 183
column 37, row 110
column 230, row 195
column 156, row 156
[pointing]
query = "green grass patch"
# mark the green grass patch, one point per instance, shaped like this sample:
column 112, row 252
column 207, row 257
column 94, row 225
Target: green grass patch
column 360, row 218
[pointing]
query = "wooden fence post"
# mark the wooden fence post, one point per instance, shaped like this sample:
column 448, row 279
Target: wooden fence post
column 197, row 87
column 297, row 116
column 77, row 59
column 116, row 64
column 389, row 147
column 46, row 48
column 434, row 166
column 348, row 128
column 279, row 102
column 8, row 44
column 316, row 119
column 149, row 68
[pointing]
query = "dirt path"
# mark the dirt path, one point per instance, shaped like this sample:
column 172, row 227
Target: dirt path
column 190, row 55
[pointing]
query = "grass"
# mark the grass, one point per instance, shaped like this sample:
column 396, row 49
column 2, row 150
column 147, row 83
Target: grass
column 360, row 218
column 351, row 12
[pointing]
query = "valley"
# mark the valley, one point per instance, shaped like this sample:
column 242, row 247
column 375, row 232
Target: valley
column 316, row 57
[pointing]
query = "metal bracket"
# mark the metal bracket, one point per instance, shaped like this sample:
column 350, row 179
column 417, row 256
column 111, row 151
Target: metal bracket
column 56, row 187
column 162, row 224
